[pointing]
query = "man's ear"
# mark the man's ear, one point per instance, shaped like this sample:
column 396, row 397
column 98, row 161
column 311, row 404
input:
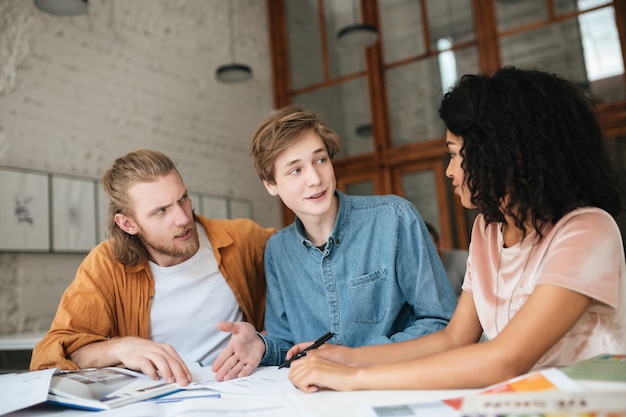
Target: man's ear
column 271, row 188
column 126, row 224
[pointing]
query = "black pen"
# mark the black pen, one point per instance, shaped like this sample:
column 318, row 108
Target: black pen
column 319, row 342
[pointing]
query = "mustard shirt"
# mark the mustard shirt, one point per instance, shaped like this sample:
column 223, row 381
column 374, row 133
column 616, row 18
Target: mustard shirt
column 108, row 299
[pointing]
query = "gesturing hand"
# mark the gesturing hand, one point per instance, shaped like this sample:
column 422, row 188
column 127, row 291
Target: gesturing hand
column 242, row 354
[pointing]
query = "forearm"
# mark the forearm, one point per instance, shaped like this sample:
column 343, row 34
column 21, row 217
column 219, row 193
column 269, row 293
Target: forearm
column 473, row 366
column 418, row 329
column 402, row 351
column 97, row 355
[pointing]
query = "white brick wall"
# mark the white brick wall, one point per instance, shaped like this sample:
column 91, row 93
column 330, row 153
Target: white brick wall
column 77, row 92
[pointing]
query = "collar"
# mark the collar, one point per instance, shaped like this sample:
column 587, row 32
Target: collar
column 336, row 236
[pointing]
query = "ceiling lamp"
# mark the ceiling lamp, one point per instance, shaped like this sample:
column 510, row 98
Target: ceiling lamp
column 233, row 72
column 357, row 35
column 62, row 7
column 364, row 130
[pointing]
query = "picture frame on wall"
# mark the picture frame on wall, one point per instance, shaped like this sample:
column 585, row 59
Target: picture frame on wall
column 73, row 214
column 24, row 211
column 196, row 202
column 102, row 207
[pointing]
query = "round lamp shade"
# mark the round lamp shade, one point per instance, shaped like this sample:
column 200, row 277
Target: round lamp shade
column 62, row 7
column 232, row 73
column 357, row 35
column 364, row 130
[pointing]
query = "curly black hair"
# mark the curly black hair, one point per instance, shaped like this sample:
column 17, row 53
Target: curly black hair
column 534, row 137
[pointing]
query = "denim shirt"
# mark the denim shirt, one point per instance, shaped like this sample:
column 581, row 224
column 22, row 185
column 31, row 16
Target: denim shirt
column 378, row 280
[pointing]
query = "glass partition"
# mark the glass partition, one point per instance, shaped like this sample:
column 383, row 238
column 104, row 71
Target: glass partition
column 585, row 50
column 345, row 107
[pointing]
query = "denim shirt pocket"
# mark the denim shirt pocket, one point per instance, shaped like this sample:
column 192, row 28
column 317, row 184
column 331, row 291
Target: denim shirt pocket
column 366, row 297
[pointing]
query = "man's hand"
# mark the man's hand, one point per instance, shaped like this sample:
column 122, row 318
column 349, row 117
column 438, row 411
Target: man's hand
column 242, row 354
column 149, row 357
column 334, row 353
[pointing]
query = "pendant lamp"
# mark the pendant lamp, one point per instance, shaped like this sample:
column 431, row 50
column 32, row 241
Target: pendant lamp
column 62, row 7
column 357, row 35
column 364, row 130
column 233, row 72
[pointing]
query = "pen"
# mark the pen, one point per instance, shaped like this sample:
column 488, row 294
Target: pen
column 319, row 342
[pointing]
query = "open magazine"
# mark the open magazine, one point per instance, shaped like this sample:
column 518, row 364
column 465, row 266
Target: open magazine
column 104, row 388
column 546, row 380
column 110, row 388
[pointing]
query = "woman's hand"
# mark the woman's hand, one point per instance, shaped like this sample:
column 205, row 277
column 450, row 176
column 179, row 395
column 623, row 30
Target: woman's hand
column 313, row 372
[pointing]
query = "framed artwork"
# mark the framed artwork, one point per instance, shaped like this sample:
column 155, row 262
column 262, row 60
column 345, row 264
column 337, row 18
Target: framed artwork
column 240, row 209
column 73, row 214
column 24, row 211
column 103, row 214
column 196, row 202
column 214, row 207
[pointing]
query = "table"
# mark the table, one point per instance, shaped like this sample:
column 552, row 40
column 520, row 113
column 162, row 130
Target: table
column 323, row 403
column 16, row 351
column 328, row 403
column 20, row 341
column 344, row 404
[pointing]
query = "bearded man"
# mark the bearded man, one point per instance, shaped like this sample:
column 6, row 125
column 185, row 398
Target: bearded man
column 150, row 296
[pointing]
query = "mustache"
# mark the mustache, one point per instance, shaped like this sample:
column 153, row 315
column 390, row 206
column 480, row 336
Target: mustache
column 183, row 230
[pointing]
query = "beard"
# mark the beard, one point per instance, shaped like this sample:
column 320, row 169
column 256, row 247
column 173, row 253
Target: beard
column 170, row 248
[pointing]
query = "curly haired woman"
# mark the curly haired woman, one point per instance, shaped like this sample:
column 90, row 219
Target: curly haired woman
column 546, row 280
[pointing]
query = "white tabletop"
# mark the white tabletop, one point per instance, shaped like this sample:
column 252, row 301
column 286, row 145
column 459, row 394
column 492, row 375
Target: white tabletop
column 20, row 341
column 345, row 404
column 325, row 403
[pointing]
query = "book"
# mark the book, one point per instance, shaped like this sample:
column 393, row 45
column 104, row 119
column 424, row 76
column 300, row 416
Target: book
column 549, row 379
column 545, row 380
column 104, row 388
column 547, row 403
column 110, row 388
column 608, row 367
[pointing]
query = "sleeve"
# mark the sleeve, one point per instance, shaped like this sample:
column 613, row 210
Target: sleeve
column 585, row 255
column 422, row 279
column 257, row 237
column 84, row 315
column 240, row 244
column 281, row 339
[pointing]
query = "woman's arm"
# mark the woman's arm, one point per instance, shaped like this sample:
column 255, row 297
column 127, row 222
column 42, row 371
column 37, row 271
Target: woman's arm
column 463, row 329
column 529, row 335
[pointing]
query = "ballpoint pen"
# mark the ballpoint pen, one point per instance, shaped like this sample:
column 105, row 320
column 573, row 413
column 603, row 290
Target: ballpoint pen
column 319, row 342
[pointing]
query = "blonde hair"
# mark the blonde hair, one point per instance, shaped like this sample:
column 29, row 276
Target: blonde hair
column 283, row 128
column 142, row 165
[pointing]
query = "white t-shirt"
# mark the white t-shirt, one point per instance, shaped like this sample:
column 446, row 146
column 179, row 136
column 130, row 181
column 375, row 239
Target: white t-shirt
column 190, row 298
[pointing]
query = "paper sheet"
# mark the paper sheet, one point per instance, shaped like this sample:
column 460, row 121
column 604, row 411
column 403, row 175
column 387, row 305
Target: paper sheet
column 425, row 409
column 24, row 389
column 264, row 381
column 228, row 405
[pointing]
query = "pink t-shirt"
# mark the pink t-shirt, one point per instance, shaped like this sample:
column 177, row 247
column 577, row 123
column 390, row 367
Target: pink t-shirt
column 583, row 252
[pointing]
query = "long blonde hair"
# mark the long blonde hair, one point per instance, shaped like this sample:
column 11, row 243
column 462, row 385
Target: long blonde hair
column 142, row 165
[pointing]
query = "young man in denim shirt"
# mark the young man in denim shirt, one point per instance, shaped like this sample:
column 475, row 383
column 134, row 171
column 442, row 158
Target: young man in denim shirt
column 361, row 267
